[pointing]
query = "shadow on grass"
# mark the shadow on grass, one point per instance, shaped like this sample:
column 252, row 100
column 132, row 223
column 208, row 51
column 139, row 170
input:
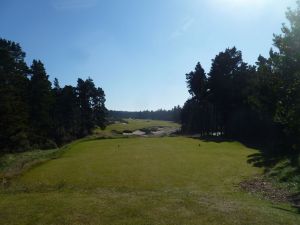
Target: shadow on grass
column 286, row 210
column 267, row 157
column 216, row 139
column 283, row 169
column 264, row 160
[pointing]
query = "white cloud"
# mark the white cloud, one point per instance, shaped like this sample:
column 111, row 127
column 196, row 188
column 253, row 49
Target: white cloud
column 73, row 4
column 185, row 26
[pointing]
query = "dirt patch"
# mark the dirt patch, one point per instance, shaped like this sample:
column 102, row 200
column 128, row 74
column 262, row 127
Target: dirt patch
column 134, row 133
column 139, row 133
column 265, row 188
column 152, row 131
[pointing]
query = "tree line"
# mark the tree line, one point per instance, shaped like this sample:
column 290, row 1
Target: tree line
column 166, row 115
column 36, row 114
column 258, row 103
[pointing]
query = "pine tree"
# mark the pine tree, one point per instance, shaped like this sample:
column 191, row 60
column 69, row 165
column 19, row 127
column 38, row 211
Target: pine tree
column 13, row 98
column 41, row 102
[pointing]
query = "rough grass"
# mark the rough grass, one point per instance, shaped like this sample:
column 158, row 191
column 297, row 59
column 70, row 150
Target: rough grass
column 142, row 181
column 133, row 125
column 14, row 164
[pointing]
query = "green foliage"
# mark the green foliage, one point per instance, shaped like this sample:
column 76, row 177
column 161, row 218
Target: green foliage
column 91, row 103
column 14, row 110
column 197, row 82
column 40, row 101
column 278, row 86
column 260, row 104
column 287, row 68
column 33, row 115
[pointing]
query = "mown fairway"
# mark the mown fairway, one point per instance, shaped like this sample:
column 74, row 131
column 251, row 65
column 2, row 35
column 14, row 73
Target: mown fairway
column 141, row 181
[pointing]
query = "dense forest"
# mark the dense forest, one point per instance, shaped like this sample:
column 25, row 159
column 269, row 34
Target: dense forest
column 167, row 115
column 258, row 103
column 36, row 114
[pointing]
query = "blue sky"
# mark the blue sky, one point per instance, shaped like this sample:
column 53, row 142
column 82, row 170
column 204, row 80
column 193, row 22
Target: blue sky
column 138, row 51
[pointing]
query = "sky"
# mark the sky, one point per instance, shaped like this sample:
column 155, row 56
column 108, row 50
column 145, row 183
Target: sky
column 138, row 51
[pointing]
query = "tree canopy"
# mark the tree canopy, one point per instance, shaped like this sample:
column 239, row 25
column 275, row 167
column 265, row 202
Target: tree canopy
column 260, row 103
column 33, row 114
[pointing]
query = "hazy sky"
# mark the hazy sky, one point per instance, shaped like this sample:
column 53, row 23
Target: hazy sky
column 138, row 51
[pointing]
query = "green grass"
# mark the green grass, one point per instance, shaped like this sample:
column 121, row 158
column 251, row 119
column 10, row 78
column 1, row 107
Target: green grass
column 14, row 164
column 142, row 181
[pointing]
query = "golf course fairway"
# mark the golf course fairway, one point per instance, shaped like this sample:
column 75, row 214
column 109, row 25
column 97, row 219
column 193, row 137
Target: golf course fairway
column 142, row 181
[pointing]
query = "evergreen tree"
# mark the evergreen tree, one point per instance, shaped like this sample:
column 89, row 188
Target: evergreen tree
column 279, row 87
column 35, row 115
column 91, row 102
column 224, row 68
column 197, row 82
column 287, row 65
column 99, row 110
column 41, row 102
column 13, row 98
